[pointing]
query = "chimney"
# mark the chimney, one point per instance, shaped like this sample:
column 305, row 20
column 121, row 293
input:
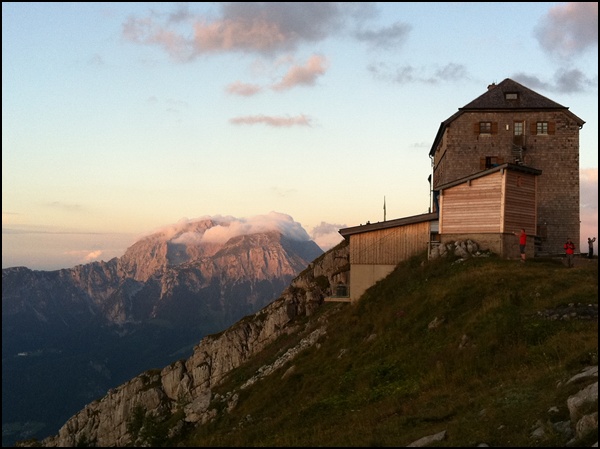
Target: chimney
column 491, row 86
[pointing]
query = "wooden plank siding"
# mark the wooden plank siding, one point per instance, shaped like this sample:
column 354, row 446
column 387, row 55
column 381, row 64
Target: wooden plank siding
column 486, row 207
column 474, row 206
column 389, row 246
column 520, row 202
column 499, row 202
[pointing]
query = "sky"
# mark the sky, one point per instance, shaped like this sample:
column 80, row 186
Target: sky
column 120, row 119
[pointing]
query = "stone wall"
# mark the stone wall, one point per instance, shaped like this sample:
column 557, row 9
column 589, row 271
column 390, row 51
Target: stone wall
column 556, row 155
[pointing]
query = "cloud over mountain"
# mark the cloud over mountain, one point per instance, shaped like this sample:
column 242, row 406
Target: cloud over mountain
column 228, row 227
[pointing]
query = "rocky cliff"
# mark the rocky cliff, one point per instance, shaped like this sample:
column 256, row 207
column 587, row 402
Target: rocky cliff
column 69, row 335
column 190, row 392
column 186, row 384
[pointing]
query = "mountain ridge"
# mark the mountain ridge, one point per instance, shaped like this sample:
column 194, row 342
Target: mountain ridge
column 171, row 287
column 457, row 317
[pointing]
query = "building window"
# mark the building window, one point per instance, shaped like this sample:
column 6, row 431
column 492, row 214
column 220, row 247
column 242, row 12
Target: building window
column 518, row 137
column 485, row 128
column 491, row 161
column 488, row 162
column 518, row 128
column 511, row 96
column 542, row 128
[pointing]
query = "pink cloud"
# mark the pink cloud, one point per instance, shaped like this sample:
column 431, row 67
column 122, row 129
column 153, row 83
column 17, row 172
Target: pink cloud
column 243, row 89
column 237, row 34
column 225, row 228
column 569, row 28
column 94, row 255
column 303, row 75
column 264, row 27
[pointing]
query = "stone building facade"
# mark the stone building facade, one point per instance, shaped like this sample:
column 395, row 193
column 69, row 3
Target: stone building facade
column 513, row 124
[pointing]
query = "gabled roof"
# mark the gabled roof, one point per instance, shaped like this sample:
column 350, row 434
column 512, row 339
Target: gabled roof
column 495, row 100
column 346, row 232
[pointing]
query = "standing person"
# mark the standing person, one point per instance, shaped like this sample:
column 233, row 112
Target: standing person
column 569, row 250
column 591, row 247
column 522, row 243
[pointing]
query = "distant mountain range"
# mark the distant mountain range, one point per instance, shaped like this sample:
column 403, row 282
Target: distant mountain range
column 70, row 335
column 441, row 352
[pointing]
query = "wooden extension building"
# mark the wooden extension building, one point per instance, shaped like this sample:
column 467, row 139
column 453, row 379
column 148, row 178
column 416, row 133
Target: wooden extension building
column 487, row 208
column 375, row 249
column 507, row 160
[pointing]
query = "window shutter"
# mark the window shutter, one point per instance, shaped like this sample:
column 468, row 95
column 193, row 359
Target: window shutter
column 551, row 127
column 476, row 127
column 494, row 127
column 482, row 163
column 533, row 128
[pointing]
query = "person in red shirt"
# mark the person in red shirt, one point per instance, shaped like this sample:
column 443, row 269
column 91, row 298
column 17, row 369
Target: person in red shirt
column 569, row 250
column 522, row 243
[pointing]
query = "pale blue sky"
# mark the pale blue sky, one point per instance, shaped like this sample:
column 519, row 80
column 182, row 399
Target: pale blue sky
column 121, row 118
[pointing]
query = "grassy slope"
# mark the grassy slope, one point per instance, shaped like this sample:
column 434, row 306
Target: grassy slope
column 382, row 377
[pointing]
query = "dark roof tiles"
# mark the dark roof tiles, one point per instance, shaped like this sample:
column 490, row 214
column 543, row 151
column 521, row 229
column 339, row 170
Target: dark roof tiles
column 495, row 98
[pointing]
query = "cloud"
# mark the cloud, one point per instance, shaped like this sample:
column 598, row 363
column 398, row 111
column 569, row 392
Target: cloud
column 296, row 76
column 257, row 34
column 82, row 256
column 94, row 255
column 303, row 75
column 569, row 29
column 408, row 74
column 259, row 27
column 270, row 27
column 243, row 89
column 392, row 37
column 181, row 14
column 326, row 235
column 300, row 120
column 229, row 227
column 451, row 72
column 147, row 31
column 565, row 81
column 569, row 81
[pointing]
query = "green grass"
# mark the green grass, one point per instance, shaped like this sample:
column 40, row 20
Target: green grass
column 384, row 377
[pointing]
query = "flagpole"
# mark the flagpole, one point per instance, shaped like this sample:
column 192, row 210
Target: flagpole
column 384, row 208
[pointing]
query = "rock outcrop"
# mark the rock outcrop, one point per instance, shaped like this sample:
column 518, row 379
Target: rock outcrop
column 96, row 325
column 186, row 384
